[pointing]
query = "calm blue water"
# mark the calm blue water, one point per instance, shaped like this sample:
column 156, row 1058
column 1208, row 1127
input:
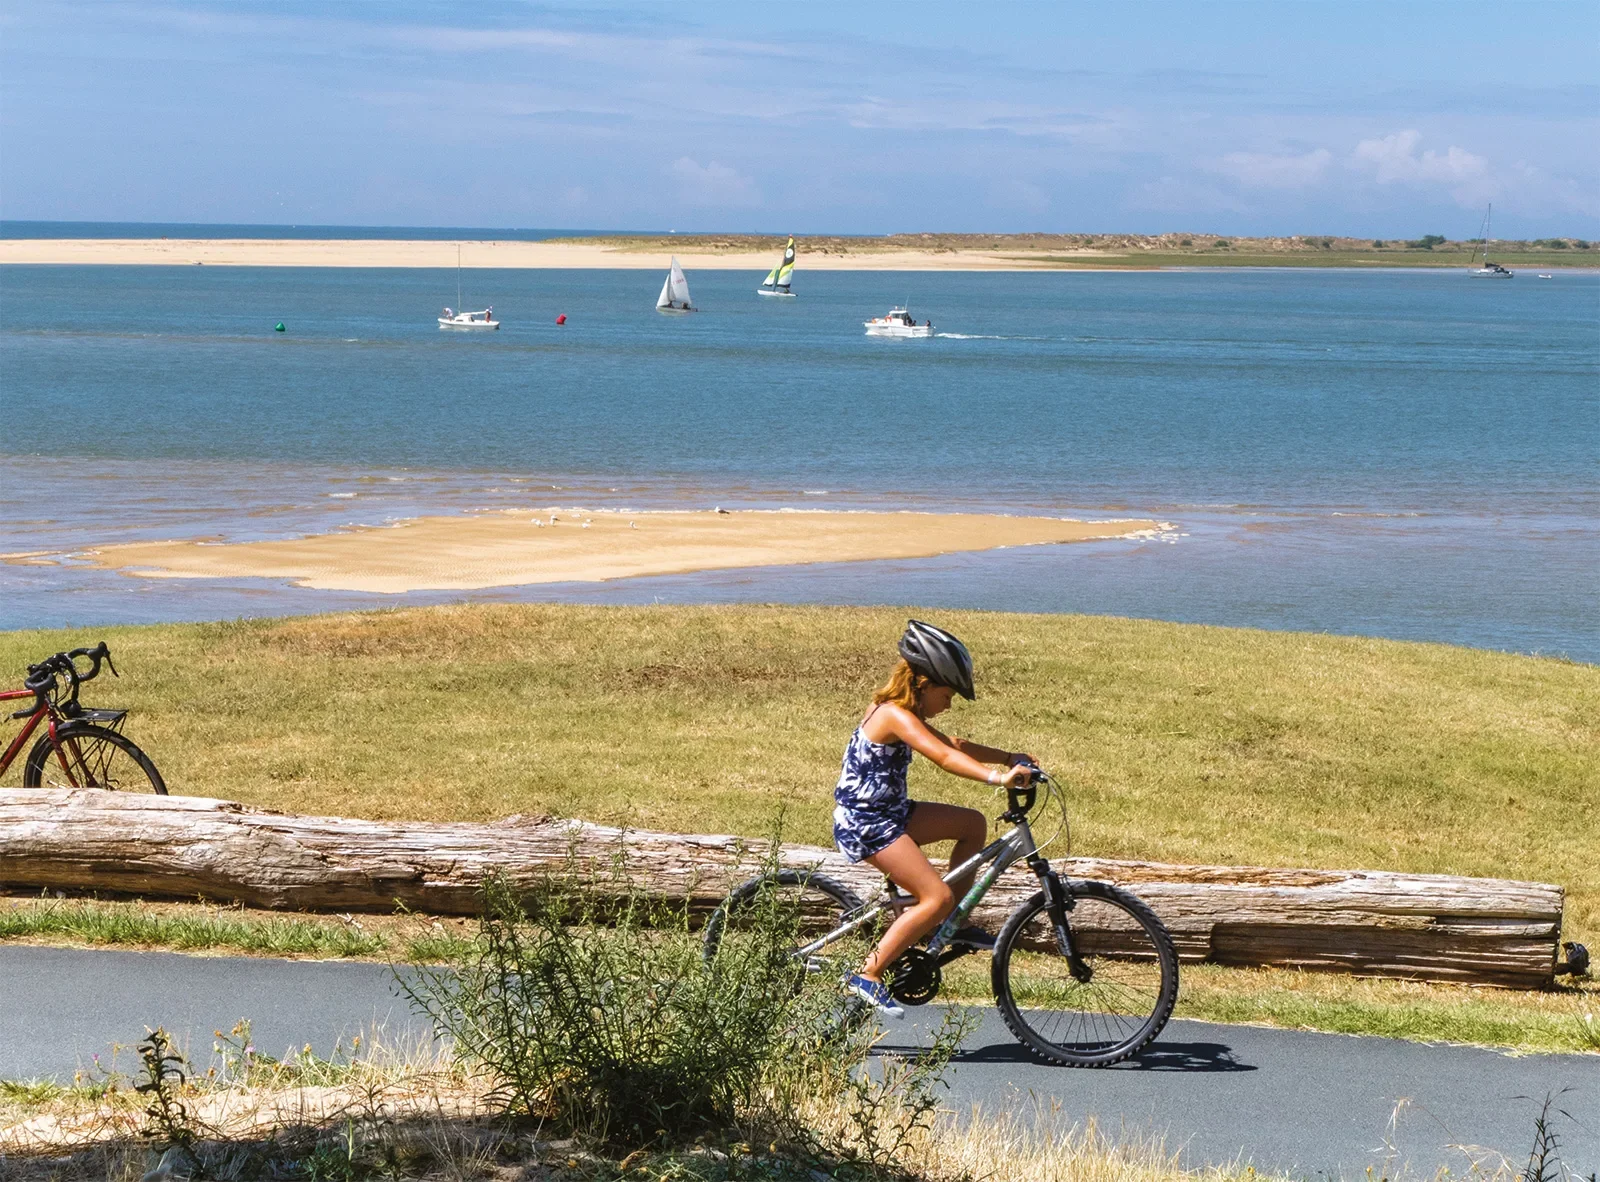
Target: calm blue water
column 1405, row 454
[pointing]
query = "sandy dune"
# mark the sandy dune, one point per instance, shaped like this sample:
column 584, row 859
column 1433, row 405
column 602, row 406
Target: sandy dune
column 264, row 252
column 573, row 545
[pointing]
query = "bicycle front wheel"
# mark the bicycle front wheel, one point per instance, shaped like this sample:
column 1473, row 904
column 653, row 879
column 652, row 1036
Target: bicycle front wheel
column 90, row 757
column 1108, row 1002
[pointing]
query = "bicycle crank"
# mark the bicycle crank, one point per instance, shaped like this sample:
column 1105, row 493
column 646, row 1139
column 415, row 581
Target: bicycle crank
column 914, row 978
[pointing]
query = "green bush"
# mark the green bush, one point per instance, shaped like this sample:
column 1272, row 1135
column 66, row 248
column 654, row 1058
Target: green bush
column 1377, row 243
column 590, row 1008
column 1220, row 244
column 1428, row 242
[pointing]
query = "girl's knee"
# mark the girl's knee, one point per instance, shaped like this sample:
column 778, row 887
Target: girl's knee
column 974, row 825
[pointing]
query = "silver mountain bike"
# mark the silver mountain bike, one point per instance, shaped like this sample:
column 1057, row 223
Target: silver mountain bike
column 1084, row 974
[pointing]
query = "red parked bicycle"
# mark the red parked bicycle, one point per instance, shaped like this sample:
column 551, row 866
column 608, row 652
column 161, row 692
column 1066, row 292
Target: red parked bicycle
column 81, row 748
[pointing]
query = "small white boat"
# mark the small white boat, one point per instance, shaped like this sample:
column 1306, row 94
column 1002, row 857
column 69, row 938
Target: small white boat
column 1547, row 277
column 1489, row 270
column 675, row 291
column 454, row 319
column 777, row 281
column 898, row 323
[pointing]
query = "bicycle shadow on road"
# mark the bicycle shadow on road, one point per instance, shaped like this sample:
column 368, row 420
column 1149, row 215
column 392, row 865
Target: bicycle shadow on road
column 1197, row 1057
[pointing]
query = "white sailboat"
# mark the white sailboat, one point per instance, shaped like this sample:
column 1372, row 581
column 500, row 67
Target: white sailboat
column 1489, row 270
column 675, row 291
column 454, row 319
column 777, row 281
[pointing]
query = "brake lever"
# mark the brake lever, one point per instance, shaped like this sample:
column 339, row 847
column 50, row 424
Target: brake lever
column 110, row 666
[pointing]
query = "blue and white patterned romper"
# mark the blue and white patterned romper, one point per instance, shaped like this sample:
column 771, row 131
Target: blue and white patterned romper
column 870, row 801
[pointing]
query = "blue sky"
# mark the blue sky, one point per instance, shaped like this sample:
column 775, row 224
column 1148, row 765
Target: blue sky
column 1384, row 119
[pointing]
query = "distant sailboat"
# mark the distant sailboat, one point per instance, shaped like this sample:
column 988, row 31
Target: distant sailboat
column 675, row 291
column 777, row 281
column 1489, row 270
column 455, row 319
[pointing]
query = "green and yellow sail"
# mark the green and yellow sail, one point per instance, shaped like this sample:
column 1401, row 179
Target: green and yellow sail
column 778, row 278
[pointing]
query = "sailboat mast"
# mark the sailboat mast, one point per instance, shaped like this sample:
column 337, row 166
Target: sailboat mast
column 458, row 277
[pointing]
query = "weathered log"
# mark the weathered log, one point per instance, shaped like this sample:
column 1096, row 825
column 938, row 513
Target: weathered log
column 1420, row 926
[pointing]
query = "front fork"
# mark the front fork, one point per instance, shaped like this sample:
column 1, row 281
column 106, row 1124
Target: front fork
column 1060, row 902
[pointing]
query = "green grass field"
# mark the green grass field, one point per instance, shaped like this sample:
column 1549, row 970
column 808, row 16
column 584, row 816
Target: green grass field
column 1179, row 742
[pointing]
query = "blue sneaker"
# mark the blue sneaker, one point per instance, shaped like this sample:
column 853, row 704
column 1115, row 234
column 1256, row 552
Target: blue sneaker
column 875, row 994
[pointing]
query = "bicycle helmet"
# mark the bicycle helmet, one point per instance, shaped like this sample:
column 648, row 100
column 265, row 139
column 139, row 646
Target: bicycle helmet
column 936, row 654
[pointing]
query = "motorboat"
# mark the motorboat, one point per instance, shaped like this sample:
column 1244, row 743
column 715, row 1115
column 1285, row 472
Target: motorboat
column 454, row 319
column 469, row 320
column 1489, row 270
column 898, row 323
column 674, row 295
column 777, row 281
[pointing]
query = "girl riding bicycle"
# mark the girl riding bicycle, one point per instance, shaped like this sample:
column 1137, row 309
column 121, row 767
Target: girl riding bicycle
column 874, row 821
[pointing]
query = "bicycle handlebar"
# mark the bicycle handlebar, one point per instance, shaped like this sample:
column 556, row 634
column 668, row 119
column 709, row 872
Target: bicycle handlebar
column 41, row 679
column 1021, row 799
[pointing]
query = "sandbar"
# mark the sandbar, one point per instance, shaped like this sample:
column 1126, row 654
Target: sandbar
column 517, row 547
column 271, row 252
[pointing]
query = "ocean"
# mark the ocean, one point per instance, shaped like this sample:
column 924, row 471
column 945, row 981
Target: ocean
column 1406, row 454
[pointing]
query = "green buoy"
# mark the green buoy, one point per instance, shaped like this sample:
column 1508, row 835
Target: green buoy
column 278, row 327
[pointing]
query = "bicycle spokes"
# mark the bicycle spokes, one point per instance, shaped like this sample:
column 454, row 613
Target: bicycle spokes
column 1103, row 1000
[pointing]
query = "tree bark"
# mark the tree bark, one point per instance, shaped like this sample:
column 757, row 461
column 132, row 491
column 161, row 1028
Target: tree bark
column 1420, row 926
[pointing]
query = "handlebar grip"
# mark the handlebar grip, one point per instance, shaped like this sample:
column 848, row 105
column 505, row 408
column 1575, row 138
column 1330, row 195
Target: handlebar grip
column 96, row 654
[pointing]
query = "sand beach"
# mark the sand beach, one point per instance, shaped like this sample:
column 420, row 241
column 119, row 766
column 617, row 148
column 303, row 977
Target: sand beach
column 552, row 254
column 519, row 547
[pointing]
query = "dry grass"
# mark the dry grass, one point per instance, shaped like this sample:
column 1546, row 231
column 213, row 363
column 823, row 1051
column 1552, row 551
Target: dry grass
column 1179, row 743
column 439, row 1128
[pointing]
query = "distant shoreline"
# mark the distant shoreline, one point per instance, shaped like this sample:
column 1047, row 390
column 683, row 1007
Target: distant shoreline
column 1022, row 252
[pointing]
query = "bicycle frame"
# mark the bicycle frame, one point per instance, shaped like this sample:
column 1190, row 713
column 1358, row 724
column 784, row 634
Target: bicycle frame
column 1004, row 852
column 28, row 728
column 57, row 742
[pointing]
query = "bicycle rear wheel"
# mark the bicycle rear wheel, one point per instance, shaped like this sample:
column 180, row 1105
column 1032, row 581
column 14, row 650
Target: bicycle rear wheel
column 780, row 913
column 1107, row 1005
column 795, row 905
column 93, row 757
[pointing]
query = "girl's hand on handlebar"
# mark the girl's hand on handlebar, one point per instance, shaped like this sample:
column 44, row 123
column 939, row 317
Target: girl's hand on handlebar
column 1018, row 775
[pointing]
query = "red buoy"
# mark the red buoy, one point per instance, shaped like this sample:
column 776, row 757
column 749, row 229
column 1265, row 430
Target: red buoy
column 561, row 319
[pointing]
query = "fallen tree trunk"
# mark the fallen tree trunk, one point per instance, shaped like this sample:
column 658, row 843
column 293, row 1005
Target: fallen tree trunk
column 1420, row 926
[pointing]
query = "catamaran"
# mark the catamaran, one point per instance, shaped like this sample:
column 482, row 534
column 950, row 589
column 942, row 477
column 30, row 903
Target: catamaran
column 454, row 319
column 777, row 281
column 1489, row 270
column 674, row 295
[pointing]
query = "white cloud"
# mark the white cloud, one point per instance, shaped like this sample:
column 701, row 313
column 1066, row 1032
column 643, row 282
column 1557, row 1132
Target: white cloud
column 1395, row 159
column 1266, row 170
column 713, row 184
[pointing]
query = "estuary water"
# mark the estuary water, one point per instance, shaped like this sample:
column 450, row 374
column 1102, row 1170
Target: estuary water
column 1408, row 454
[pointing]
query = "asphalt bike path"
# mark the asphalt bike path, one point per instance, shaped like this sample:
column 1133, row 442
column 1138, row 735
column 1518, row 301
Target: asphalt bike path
column 1318, row 1106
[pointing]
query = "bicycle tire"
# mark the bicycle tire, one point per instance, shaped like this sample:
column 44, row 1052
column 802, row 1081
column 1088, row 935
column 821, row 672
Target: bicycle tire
column 831, row 901
column 94, row 755
column 1119, row 1011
